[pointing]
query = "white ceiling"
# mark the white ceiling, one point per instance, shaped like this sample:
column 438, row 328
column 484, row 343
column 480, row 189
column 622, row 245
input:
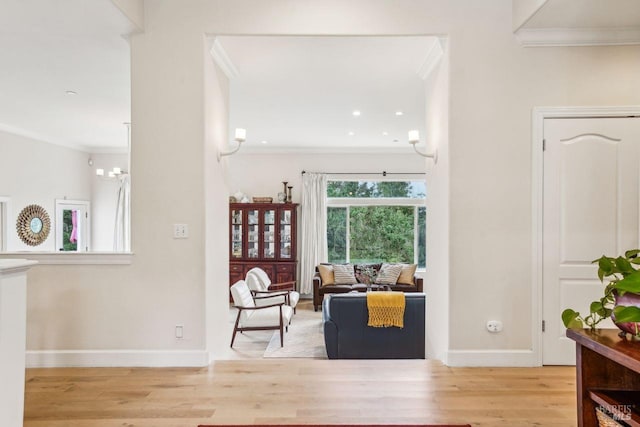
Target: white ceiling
column 50, row 47
column 587, row 14
column 290, row 91
column 300, row 92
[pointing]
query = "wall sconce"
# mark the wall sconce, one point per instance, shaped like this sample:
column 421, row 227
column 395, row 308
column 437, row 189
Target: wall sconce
column 240, row 137
column 414, row 138
column 116, row 171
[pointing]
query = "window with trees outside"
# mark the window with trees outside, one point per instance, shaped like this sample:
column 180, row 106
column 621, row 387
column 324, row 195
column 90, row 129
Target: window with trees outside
column 372, row 221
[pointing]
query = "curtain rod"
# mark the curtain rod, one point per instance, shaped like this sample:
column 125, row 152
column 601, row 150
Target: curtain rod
column 383, row 173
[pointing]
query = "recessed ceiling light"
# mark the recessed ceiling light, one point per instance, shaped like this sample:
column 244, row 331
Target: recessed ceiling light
column 264, row 142
column 385, row 133
column 399, row 113
column 351, row 133
column 71, row 92
column 356, row 113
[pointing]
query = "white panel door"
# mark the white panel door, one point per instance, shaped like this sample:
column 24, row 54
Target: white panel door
column 591, row 184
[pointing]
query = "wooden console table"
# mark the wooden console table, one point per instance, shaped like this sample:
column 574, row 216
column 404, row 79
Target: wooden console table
column 607, row 375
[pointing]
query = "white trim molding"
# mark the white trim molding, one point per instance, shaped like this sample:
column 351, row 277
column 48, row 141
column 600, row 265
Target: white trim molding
column 60, row 142
column 491, row 358
column 73, row 258
column 431, row 60
column 539, row 114
column 222, row 59
column 547, row 37
column 116, row 358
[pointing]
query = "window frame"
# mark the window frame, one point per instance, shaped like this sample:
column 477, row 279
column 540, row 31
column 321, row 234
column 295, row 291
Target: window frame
column 347, row 202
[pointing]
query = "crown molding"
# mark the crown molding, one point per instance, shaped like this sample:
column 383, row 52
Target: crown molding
column 431, row 60
column 13, row 130
column 222, row 59
column 549, row 37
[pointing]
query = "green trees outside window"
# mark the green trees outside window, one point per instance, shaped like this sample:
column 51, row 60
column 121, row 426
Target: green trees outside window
column 337, row 234
column 67, row 228
column 381, row 221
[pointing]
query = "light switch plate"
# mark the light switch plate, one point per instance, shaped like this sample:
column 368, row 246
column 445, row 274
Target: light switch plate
column 180, row 231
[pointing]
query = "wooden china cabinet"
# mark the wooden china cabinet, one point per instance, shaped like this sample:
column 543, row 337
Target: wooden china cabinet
column 262, row 235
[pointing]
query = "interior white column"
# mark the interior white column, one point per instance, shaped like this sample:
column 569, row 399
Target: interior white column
column 13, row 326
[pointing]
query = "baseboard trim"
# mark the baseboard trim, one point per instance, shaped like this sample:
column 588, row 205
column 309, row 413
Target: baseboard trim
column 116, row 358
column 491, row 358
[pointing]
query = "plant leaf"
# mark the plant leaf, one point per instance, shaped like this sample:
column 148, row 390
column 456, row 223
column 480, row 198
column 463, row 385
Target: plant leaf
column 597, row 307
column 571, row 319
column 631, row 283
column 624, row 266
column 635, row 260
column 603, row 263
column 624, row 314
column 631, row 253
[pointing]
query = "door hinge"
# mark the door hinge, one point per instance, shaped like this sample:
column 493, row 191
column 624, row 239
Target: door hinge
column 544, row 145
column 544, row 326
column 86, row 214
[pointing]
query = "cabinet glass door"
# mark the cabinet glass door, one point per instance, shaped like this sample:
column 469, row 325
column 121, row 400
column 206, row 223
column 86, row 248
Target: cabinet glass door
column 253, row 237
column 285, row 234
column 269, row 246
column 236, row 233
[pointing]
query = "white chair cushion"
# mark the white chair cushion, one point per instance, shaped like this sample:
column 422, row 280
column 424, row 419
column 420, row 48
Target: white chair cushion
column 266, row 317
column 241, row 294
column 294, row 297
column 254, row 282
column 268, row 301
column 263, row 277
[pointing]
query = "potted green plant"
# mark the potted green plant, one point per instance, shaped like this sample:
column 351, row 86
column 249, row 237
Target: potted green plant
column 621, row 298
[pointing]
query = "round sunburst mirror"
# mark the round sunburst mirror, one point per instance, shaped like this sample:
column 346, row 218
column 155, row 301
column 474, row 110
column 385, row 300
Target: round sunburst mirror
column 33, row 225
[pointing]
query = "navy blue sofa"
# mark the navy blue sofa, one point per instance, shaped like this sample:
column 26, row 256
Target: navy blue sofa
column 347, row 336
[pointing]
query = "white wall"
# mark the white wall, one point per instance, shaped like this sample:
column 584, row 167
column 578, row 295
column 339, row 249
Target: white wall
column 438, row 230
column 523, row 10
column 216, row 117
column 35, row 172
column 494, row 83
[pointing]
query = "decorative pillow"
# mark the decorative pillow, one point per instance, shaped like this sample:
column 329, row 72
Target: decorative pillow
column 407, row 273
column 389, row 274
column 343, row 274
column 366, row 273
column 326, row 274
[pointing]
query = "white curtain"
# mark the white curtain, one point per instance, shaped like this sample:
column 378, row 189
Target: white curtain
column 314, row 227
column 122, row 232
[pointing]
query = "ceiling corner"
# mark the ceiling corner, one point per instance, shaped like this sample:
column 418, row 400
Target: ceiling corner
column 222, row 59
column 431, row 60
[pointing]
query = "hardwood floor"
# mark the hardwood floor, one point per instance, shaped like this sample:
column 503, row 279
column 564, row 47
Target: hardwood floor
column 288, row 391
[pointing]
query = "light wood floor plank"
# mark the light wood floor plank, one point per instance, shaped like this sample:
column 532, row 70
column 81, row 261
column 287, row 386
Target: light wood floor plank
column 301, row 391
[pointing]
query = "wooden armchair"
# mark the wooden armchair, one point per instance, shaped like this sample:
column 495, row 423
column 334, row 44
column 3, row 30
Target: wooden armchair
column 253, row 317
column 259, row 283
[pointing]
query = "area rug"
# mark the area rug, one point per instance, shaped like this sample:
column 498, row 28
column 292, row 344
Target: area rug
column 336, row 425
column 304, row 339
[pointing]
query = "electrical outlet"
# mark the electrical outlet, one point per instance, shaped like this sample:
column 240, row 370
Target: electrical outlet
column 494, row 326
column 179, row 332
column 180, row 231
